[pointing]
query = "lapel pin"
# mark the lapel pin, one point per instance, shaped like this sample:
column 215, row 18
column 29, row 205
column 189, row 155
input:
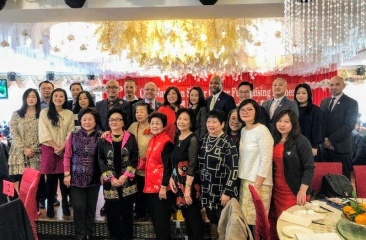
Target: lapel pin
column 288, row 153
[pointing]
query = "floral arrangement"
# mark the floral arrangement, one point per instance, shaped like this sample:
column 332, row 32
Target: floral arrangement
column 146, row 131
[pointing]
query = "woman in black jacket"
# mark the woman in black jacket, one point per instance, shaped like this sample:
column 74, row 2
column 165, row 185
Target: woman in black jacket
column 293, row 163
column 117, row 156
column 310, row 117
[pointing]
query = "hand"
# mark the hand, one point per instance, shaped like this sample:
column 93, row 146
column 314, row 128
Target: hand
column 224, row 199
column 67, row 181
column 28, row 152
column 162, row 193
column 301, row 198
column 114, row 182
column 172, row 185
column 187, row 196
column 58, row 150
column 315, row 151
column 328, row 144
column 121, row 180
column 104, row 134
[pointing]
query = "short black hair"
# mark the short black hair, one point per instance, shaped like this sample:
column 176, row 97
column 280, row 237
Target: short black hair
column 159, row 115
column 46, row 81
column 257, row 108
column 116, row 110
column 76, row 83
column 215, row 113
column 144, row 104
column 93, row 111
column 247, row 84
column 192, row 117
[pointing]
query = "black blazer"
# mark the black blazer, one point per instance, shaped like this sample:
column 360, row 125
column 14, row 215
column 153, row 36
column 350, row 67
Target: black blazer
column 224, row 102
column 298, row 163
column 69, row 104
column 339, row 123
column 102, row 107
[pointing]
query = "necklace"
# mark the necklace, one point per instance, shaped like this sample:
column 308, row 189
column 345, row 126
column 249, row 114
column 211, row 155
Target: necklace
column 116, row 139
column 212, row 141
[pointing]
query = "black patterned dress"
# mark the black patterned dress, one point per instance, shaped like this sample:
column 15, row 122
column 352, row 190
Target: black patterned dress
column 218, row 167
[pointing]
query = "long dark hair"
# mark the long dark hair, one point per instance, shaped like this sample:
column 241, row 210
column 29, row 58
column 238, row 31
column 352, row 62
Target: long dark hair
column 201, row 98
column 179, row 100
column 293, row 134
column 52, row 112
column 227, row 126
column 77, row 105
column 310, row 95
column 22, row 111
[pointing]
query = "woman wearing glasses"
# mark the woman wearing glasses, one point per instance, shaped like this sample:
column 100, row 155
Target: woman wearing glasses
column 255, row 159
column 117, row 156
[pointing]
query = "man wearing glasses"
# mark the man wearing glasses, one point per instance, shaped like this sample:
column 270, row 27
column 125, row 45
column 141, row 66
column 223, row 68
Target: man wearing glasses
column 112, row 90
column 150, row 89
column 245, row 90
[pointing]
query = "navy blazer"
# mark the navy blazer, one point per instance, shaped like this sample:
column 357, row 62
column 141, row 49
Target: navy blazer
column 284, row 104
column 339, row 123
column 102, row 107
column 224, row 102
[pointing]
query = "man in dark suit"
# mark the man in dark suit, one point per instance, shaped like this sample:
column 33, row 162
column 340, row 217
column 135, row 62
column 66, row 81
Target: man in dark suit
column 279, row 102
column 219, row 99
column 75, row 89
column 112, row 90
column 340, row 114
column 150, row 90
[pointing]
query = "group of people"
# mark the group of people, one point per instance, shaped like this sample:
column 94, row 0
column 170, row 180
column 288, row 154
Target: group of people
column 150, row 156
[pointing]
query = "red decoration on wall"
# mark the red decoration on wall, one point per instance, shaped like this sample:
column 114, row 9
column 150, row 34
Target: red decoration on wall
column 262, row 85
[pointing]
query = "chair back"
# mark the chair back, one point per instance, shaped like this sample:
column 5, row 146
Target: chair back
column 321, row 169
column 28, row 194
column 360, row 180
column 262, row 228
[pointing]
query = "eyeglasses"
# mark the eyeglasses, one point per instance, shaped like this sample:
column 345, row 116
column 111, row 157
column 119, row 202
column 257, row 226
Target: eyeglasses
column 111, row 87
column 244, row 92
column 247, row 110
column 115, row 120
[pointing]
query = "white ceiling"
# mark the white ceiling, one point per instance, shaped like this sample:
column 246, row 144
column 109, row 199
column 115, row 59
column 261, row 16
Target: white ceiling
column 25, row 11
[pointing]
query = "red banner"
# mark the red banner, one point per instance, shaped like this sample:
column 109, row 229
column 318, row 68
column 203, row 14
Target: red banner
column 262, row 85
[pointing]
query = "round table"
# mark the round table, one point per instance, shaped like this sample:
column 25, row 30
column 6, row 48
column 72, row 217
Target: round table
column 330, row 222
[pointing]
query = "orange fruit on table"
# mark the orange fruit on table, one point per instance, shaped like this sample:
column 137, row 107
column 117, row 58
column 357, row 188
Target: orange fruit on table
column 348, row 210
column 363, row 206
column 361, row 219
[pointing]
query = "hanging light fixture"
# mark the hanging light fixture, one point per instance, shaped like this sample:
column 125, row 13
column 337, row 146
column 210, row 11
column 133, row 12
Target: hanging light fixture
column 75, row 3
column 321, row 34
column 2, row 4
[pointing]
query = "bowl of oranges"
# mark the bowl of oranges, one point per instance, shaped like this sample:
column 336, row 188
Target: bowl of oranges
column 355, row 213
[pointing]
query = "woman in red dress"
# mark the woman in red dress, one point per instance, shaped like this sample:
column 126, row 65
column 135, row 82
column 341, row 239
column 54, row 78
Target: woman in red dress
column 293, row 164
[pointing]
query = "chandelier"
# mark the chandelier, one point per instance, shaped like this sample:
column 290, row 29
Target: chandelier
column 198, row 47
column 321, row 34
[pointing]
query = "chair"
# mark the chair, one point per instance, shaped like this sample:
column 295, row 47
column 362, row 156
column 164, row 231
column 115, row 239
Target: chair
column 360, row 180
column 262, row 228
column 28, row 192
column 321, row 169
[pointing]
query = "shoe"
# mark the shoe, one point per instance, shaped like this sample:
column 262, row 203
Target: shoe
column 50, row 212
column 66, row 210
column 56, row 202
column 103, row 211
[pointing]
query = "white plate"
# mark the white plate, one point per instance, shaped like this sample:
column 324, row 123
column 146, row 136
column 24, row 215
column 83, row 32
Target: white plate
column 290, row 231
column 319, row 210
column 309, row 214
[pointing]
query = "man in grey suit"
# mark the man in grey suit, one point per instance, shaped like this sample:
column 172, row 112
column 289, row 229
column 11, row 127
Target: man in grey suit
column 340, row 114
column 279, row 102
column 112, row 89
column 150, row 90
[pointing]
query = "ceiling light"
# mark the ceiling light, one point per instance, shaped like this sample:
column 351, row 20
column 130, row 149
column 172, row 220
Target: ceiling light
column 75, row 3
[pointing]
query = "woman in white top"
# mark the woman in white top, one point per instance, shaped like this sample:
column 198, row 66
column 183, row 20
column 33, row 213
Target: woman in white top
column 255, row 159
column 55, row 123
